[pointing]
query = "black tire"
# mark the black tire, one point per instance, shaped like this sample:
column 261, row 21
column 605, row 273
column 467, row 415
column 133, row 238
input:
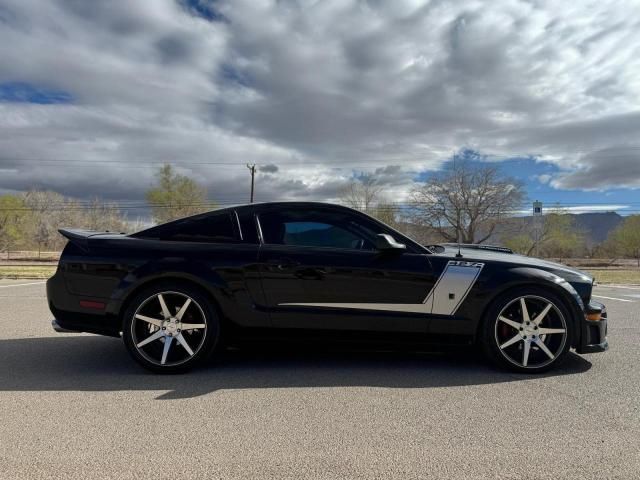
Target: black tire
column 504, row 344
column 192, row 346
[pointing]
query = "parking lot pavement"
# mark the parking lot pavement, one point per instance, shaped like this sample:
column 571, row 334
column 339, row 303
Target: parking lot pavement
column 76, row 406
column 617, row 293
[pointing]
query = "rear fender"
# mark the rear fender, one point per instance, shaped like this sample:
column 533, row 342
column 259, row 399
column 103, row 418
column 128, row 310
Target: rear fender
column 189, row 271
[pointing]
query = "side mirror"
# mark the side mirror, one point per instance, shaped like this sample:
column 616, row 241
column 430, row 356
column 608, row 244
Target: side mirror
column 387, row 242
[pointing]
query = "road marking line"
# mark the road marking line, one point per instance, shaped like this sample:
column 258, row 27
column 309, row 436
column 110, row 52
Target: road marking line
column 22, row 284
column 628, row 287
column 612, row 298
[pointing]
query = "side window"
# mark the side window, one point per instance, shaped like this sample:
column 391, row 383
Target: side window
column 204, row 229
column 315, row 229
column 248, row 227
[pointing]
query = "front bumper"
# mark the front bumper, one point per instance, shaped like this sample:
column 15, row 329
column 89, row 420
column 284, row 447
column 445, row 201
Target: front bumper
column 593, row 336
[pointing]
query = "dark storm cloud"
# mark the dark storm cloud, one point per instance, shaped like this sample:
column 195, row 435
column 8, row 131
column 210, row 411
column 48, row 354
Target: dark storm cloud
column 268, row 168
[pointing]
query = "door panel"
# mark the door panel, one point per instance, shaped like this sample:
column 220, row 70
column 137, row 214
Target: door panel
column 327, row 288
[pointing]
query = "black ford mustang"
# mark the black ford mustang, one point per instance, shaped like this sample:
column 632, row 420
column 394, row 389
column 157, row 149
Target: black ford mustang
column 177, row 292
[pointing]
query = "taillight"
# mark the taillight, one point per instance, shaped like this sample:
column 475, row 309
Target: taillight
column 92, row 304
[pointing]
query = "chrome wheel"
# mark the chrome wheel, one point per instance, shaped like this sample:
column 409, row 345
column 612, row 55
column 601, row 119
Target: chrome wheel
column 168, row 328
column 531, row 332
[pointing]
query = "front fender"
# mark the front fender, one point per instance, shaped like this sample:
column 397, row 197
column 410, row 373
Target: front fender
column 497, row 284
column 554, row 281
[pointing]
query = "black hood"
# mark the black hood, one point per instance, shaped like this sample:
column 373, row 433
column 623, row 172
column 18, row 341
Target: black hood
column 571, row 275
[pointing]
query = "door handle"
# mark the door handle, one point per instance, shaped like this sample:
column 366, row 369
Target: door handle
column 311, row 273
column 283, row 263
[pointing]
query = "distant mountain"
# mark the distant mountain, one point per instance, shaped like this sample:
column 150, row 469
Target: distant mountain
column 595, row 226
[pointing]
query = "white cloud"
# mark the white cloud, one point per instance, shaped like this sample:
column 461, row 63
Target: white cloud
column 544, row 178
column 576, row 209
column 319, row 89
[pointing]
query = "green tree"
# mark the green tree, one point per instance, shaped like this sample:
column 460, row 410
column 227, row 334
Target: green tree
column 558, row 237
column 12, row 218
column 561, row 238
column 521, row 243
column 626, row 238
column 176, row 196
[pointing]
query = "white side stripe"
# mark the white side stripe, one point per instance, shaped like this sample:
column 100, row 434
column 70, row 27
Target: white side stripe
column 453, row 287
column 446, row 296
column 384, row 307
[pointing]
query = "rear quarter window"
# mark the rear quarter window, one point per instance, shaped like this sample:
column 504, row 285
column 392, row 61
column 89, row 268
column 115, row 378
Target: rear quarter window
column 221, row 228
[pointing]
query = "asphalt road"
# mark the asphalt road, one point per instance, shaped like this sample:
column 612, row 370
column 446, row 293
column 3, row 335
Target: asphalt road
column 76, row 406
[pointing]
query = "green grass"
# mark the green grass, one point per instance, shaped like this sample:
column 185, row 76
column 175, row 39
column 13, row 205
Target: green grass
column 31, row 271
column 616, row 276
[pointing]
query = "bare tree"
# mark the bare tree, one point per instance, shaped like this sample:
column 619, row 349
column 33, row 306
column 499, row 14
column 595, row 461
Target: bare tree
column 361, row 194
column 49, row 211
column 465, row 203
column 103, row 216
column 366, row 194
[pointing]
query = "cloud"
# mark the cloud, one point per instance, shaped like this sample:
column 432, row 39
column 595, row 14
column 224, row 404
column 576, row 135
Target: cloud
column 577, row 209
column 599, row 170
column 313, row 92
column 544, row 178
column 268, row 168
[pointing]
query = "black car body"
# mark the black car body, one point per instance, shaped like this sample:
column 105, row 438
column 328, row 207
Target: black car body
column 318, row 269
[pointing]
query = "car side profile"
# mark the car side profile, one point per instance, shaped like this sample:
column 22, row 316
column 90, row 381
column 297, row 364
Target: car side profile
column 177, row 292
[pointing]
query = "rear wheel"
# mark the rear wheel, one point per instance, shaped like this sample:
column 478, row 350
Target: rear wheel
column 170, row 329
column 528, row 330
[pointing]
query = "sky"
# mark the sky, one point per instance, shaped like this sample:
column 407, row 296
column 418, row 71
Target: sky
column 94, row 96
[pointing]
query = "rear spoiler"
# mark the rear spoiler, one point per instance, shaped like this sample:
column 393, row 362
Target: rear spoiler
column 473, row 246
column 81, row 237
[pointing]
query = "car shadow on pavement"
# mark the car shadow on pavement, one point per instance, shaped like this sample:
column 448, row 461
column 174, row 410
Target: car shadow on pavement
column 94, row 363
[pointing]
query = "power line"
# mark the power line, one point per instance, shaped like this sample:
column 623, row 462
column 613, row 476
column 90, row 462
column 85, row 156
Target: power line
column 140, row 163
column 73, row 206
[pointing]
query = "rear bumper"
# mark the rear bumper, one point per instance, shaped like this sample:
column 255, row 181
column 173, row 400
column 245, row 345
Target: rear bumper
column 593, row 336
column 58, row 328
column 70, row 316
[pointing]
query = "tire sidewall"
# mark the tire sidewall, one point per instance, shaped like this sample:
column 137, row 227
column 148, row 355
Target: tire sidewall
column 489, row 344
column 211, row 336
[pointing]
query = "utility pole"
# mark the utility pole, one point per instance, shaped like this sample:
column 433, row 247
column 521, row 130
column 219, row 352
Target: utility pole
column 252, row 169
column 537, row 220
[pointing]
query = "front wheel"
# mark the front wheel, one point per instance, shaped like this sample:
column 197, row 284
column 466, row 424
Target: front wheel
column 169, row 329
column 527, row 330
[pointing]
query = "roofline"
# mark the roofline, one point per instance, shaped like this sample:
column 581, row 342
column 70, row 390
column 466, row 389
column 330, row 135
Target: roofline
column 289, row 203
